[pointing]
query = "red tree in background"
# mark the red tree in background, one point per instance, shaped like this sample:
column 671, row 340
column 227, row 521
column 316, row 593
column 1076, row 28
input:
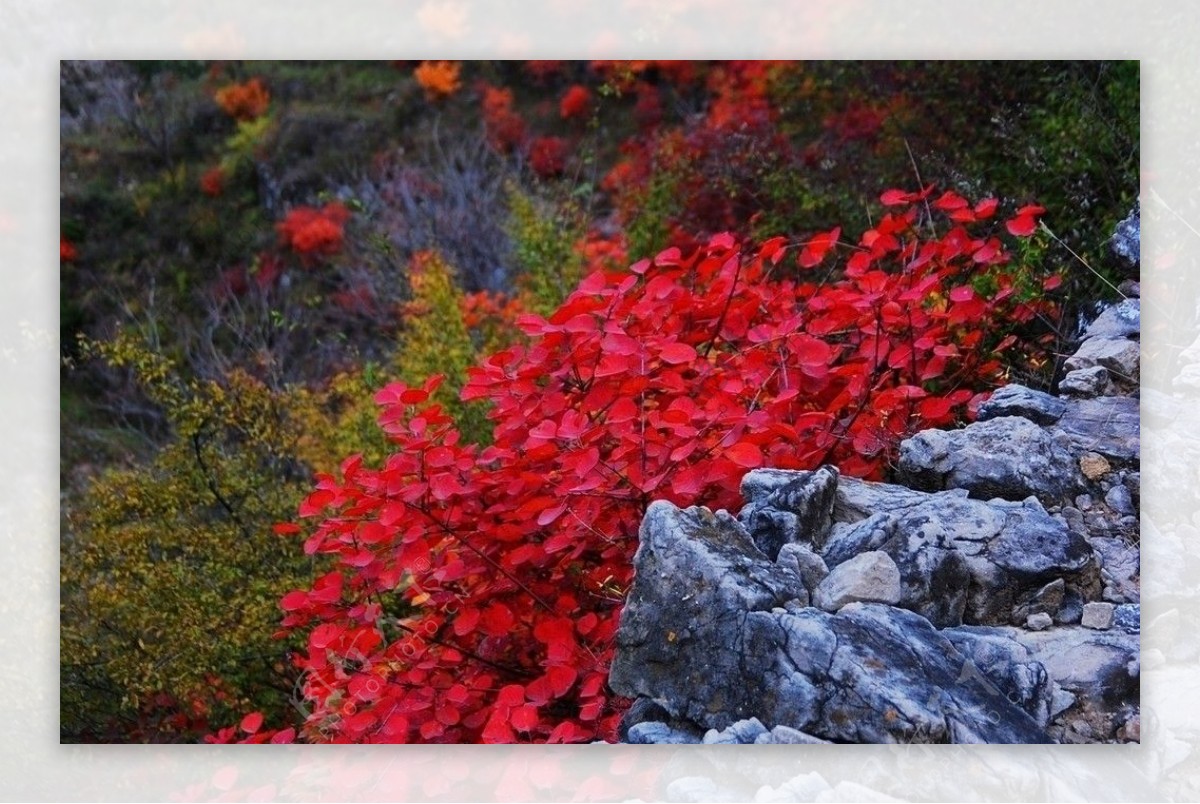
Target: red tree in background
column 309, row 231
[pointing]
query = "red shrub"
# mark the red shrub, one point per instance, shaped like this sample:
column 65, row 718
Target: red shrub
column 476, row 591
column 544, row 71
column 505, row 128
column 576, row 102
column 309, row 231
column 648, row 109
column 548, row 156
column 244, row 101
column 212, row 183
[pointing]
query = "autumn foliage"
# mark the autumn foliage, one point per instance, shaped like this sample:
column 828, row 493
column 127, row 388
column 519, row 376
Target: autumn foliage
column 576, row 102
column 212, row 182
column 439, row 79
column 475, row 592
column 309, row 231
column 244, row 101
column 505, row 127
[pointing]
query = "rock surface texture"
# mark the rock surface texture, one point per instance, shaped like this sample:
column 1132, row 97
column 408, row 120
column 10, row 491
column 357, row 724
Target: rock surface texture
column 993, row 597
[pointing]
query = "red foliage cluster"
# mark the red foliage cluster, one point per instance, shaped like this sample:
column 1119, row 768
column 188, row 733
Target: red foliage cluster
column 647, row 111
column 505, row 128
column 358, row 299
column 576, row 102
column 740, row 93
column 486, row 311
column 238, row 280
column 244, row 101
column 544, row 71
column 625, row 74
column 212, row 183
column 475, row 592
column 439, row 79
column 309, row 231
column 717, row 170
column 858, row 121
column 66, row 250
column 548, row 156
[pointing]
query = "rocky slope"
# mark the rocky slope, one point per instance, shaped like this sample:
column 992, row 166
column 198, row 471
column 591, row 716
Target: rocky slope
column 993, row 596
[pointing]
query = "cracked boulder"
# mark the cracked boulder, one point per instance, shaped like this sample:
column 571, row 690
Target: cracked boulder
column 960, row 560
column 715, row 633
column 1008, row 457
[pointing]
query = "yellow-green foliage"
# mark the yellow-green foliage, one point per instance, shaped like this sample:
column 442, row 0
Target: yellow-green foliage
column 340, row 420
column 544, row 246
column 171, row 573
column 436, row 341
column 242, row 145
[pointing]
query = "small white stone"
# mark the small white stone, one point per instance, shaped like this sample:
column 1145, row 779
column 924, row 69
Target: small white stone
column 1039, row 622
column 1097, row 615
column 870, row 577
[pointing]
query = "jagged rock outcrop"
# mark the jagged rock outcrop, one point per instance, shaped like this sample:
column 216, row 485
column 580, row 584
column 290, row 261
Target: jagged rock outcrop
column 993, row 597
column 714, row 640
column 1008, row 457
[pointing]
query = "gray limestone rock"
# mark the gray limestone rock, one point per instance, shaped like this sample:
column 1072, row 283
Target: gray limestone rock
column 1017, row 400
column 798, row 511
column 960, row 560
column 1126, row 241
column 1121, row 356
column 1039, row 622
column 732, row 651
column 870, row 577
column 1110, row 426
column 1008, row 457
column 1128, row 618
column 1097, row 615
column 1086, row 382
column 1120, row 320
column 809, row 565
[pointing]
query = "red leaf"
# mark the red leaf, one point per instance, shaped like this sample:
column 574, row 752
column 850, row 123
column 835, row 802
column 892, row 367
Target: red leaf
column 1021, row 226
column 286, row 528
column 443, row 486
column 414, row 396
column 950, row 200
column 252, row 722
column 395, row 726
column 561, row 678
column 551, row 514
column 323, row 635
column 510, row 696
column 962, row 293
column 816, row 248
column 287, row 735
column 439, row 456
column 892, row 198
column 294, row 600
column 745, row 455
column 810, row 351
column 773, row 249
column 466, row 621
column 675, row 353
column 448, row 715
column 987, row 252
column 934, row 408
column 524, row 718
column 986, row 208
column 497, row 620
